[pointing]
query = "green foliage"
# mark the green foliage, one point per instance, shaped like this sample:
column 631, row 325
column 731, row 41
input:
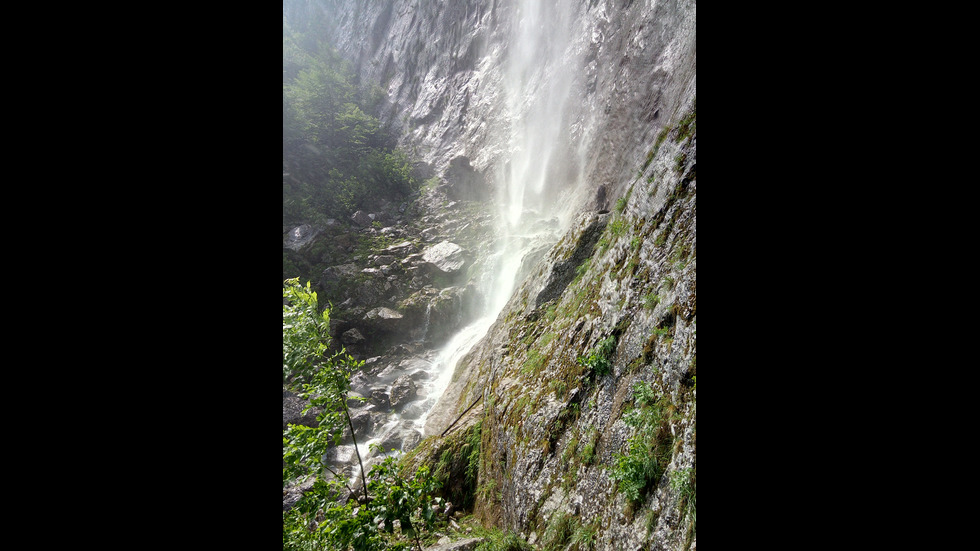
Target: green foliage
column 688, row 125
column 336, row 157
column 401, row 512
column 328, row 388
column 649, row 450
column 651, row 300
column 305, row 330
column 588, row 451
column 621, row 204
column 534, row 363
column 599, row 359
column 581, row 269
column 396, row 509
column 584, row 537
column 487, row 490
column 559, row 532
column 497, row 540
column 617, row 227
column 473, row 458
column 324, row 381
column 684, row 482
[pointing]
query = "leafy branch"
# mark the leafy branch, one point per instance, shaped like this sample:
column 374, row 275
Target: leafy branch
column 325, row 382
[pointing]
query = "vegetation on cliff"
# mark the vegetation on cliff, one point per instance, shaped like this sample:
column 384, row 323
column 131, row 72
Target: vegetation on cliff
column 336, row 157
column 395, row 509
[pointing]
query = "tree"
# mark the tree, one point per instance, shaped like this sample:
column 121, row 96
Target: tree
column 324, row 516
column 336, row 157
column 325, row 381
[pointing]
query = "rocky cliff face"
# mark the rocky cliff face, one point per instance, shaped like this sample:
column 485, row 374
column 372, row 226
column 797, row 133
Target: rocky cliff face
column 600, row 77
column 614, row 304
column 582, row 394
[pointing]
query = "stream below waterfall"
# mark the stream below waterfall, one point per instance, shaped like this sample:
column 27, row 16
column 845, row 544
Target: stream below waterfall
column 395, row 393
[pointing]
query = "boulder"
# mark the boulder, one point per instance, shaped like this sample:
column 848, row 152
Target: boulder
column 445, row 256
column 403, row 390
column 403, row 436
column 383, row 260
column 365, row 422
column 383, row 318
column 339, row 272
column 352, row 337
column 379, row 399
column 299, row 237
column 361, row 218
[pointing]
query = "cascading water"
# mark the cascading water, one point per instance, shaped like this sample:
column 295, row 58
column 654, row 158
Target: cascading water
column 537, row 180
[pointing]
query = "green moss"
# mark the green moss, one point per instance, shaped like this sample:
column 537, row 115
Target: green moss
column 534, row 364
column 650, row 449
column 559, row 532
column 454, row 462
column 589, row 450
column 599, row 360
column 688, row 125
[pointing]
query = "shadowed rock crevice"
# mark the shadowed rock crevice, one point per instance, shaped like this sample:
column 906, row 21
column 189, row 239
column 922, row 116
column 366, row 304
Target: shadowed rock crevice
column 564, row 272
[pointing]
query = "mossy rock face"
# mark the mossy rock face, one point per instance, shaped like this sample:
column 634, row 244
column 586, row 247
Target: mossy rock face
column 566, row 270
column 454, row 461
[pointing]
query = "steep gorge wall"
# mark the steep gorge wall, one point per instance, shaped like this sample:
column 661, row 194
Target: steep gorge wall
column 553, row 424
column 445, row 68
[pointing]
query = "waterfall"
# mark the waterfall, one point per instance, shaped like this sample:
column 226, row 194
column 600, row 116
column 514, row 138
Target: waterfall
column 539, row 177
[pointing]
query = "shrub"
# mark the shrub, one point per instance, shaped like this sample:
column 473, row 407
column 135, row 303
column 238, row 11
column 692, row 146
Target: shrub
column 599, row 359
column 371, row 525
column 649, row 450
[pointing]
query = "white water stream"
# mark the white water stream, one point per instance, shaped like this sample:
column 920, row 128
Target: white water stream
column 537, row 181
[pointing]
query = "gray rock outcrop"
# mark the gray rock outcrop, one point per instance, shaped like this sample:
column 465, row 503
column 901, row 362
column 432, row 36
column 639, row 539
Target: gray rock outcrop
column 402, row 391
column 445, row 256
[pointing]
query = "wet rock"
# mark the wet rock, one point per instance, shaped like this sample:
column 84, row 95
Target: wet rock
column 365, row 422
column 600, row 203
column 445, row 256
column 413, row 410
column 401, row 249
column 361, row 218
column 299, row 237
column 383, row 319
column 465, row 182
column 402, row 436
column 356, row 400
column 402, row 390
column 292, row 411
column 380, row 400
column 352, row 337
column 563, row 272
